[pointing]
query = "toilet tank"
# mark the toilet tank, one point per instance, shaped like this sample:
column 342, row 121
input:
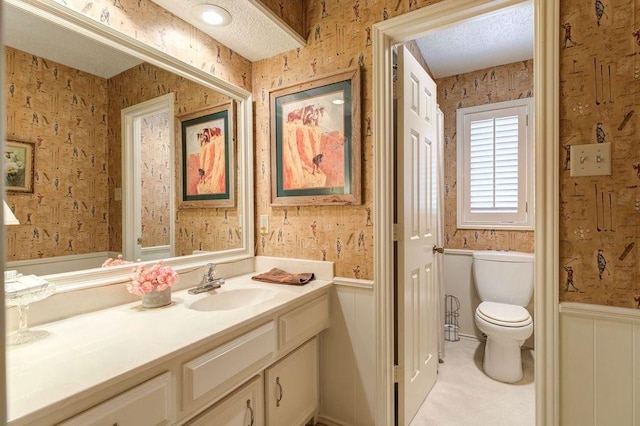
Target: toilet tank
column 503, row 276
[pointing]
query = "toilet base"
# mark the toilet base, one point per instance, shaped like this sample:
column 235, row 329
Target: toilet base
column 502, row 360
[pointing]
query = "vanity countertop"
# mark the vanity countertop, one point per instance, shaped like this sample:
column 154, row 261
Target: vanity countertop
column 87, row 351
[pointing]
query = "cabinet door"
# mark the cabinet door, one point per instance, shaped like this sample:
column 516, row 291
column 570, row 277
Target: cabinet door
column 292, row 387
column 244, row 407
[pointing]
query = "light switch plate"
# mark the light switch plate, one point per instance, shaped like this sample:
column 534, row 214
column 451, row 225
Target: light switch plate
column 117, row 194
column 591, row 159
column 264, row 224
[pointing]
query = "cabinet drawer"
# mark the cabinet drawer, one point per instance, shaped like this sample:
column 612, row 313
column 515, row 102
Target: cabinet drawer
column 215, row 371
column 244, row 407
column 292, row 387
column 146, row 404
column 301, row 324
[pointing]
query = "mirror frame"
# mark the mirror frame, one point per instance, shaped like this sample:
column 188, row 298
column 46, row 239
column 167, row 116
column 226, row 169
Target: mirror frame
column 62, row 15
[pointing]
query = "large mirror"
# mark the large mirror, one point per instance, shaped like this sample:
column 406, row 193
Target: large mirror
column 68, row 95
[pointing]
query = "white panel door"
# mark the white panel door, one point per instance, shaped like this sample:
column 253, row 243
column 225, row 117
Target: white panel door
column 136, row 243
column 416, row 216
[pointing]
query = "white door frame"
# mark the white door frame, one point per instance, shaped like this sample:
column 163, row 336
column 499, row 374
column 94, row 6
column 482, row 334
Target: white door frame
column 546, row 65
column 131, row 171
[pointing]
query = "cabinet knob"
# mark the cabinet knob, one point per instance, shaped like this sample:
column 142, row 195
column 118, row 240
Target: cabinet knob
column 280, row 392
column 250, row 411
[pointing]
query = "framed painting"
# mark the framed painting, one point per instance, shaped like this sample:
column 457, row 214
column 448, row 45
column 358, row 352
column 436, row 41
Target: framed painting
column 19, row 158
column 315, row 142
column 206, row 158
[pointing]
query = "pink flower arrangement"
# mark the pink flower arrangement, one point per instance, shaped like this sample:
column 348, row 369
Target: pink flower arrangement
column 115, row 262
column 157, row 277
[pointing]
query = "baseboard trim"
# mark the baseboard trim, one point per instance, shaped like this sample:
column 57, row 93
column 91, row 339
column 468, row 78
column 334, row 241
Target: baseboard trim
column 329, row 421
column 352, row 282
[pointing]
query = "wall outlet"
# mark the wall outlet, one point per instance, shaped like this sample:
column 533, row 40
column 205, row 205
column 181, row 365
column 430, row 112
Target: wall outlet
column 264, row 224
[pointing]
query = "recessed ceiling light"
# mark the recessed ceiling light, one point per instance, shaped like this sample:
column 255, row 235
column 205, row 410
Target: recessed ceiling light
column 212, row 15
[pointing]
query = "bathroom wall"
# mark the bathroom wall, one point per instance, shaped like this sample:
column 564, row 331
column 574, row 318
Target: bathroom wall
column 63, row 111
column 338, row 39
column 486, row 86
column 600, row 215
column 196, row 229
column 292, row 13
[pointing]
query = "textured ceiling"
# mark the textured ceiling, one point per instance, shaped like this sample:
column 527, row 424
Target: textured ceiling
column 497, row 39
column 57, row 44
column 251, row 33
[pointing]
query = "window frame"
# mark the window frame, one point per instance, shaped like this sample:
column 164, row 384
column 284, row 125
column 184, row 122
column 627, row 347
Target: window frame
column 523, row 219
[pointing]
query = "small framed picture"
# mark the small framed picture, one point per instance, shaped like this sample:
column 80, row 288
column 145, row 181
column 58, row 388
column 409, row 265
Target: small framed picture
column 315, row 142
column 19, row 158
column 206, row 158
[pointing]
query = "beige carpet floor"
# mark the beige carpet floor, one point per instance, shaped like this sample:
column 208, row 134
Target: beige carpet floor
column 465, row 396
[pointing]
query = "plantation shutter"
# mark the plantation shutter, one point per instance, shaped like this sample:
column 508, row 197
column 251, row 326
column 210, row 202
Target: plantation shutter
column 494, row 165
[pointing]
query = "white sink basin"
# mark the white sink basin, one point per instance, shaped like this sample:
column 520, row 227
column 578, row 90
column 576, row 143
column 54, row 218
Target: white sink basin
column 227, row 300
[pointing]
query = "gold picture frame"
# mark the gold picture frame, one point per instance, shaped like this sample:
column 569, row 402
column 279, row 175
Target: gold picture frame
column 19, row 166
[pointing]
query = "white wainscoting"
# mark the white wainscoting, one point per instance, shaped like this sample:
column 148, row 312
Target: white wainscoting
column 459, row 282
column 59, row 264
column 347, row 356
column 599, row 365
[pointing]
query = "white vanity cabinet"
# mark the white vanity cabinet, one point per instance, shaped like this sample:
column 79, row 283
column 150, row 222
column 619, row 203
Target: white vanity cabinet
column 260, row 370
column 292, row 387
column 244, row 407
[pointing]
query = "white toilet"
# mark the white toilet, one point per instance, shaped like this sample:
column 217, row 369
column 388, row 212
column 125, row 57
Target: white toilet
column 504, row 281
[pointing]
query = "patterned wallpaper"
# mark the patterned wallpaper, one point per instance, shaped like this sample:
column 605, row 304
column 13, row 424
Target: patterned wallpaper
column 496, row 84
column 156, row 183
column 339, row 36
column 600, row 215
column 196, row 229
column 290, row 11
column 63, row 111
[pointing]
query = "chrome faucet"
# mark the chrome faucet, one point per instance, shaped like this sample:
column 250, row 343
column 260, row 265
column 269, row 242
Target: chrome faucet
column 209, row 281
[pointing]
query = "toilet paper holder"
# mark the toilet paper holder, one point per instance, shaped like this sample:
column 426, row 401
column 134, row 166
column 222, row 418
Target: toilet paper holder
column 451, row 314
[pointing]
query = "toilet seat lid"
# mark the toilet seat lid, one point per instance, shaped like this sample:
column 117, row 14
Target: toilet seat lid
column 504, row 314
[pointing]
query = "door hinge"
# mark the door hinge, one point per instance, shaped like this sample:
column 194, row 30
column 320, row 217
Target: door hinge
column 395, row 373
column 526, row 207
column 527, row 120
column 395, row 232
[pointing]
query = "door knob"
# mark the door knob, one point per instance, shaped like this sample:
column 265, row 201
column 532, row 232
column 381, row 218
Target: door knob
column 438, row 249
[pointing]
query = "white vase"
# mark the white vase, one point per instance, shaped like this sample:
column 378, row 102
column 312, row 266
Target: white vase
column 156, row 299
